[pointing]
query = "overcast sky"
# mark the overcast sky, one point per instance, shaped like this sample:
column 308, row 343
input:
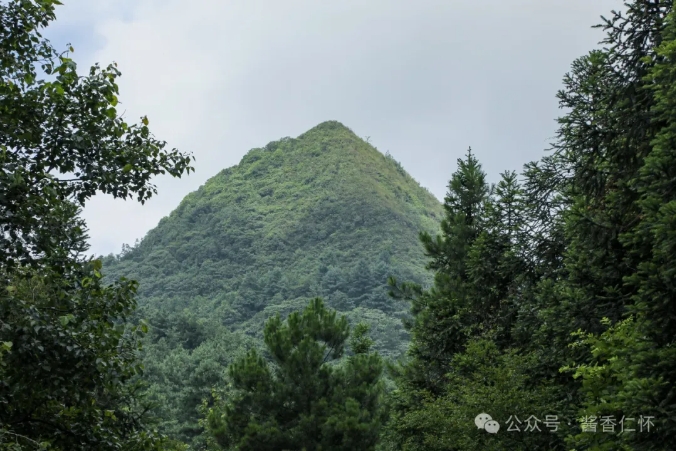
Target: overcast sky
column 423, row 79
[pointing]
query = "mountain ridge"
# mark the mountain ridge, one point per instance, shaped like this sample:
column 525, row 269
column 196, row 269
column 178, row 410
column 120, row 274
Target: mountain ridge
column 322, row 215
column 270, row 195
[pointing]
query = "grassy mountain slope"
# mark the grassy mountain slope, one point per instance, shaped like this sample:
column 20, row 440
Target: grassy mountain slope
column 324, row 214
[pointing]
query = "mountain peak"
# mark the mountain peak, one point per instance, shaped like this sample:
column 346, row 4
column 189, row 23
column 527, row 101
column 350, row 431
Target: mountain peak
column 329, row 129
column 330, row 126
column 308, row 210
column 325, row 214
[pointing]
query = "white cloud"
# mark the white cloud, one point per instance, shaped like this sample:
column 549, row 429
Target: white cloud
column 424, row 79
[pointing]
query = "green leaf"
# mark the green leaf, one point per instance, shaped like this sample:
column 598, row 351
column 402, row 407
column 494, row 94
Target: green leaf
column 65, row 319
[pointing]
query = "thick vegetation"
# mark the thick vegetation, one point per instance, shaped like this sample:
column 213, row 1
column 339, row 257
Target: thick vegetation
column 68, row 352
column 325, row 215
column 554, row 294
column 305, row 400
column 546, row 300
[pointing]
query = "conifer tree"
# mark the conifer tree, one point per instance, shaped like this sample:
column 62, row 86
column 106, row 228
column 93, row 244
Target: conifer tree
column 630, row 373
column 438, row 328
column 308, row 397
column 573, row 274
column 477, row 297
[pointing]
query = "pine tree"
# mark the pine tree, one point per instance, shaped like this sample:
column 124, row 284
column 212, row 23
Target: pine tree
column 307, row 397
column 477, row 297
column 571, row 275
column 438, row 329
column 439, row 314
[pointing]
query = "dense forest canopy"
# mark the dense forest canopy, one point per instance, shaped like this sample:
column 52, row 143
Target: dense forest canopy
column 68, row 348
column 324, row 214
column 315, row 297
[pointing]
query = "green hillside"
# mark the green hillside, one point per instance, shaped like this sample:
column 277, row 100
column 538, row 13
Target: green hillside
column 325, row 214
column 551, row 312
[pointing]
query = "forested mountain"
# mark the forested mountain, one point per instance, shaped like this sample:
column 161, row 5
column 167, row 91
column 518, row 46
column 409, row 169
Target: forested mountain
column 324, row 214
column 545, row 302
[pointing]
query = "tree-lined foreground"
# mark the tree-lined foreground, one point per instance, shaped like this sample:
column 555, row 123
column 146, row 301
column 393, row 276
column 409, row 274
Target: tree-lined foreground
column 553, row 307
column 554, row 298
column 68, row 352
